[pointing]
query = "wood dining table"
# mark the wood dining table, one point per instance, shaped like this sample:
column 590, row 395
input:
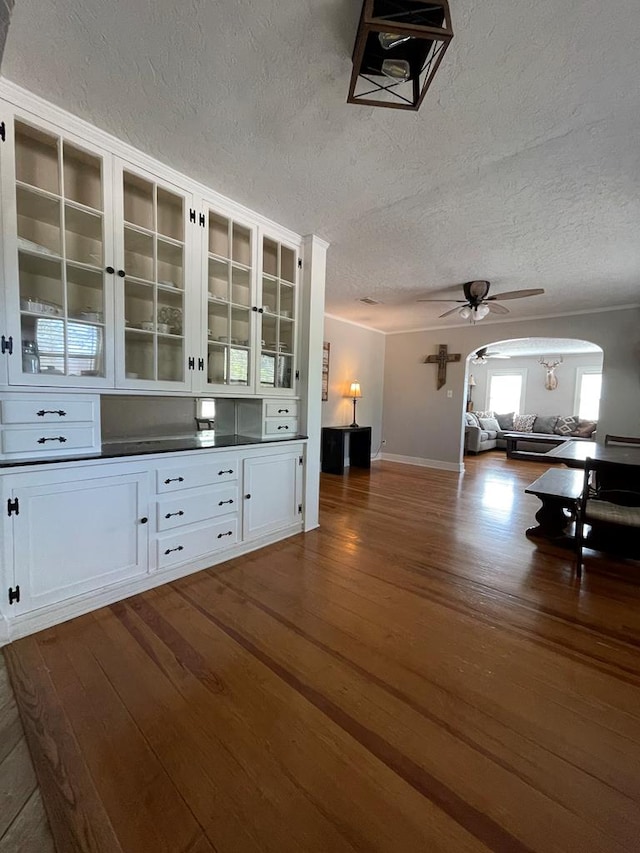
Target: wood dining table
column 574, row 453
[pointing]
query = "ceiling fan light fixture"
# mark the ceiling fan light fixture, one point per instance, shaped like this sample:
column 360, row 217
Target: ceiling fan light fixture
column 465, row 312
column 417, row 33
column 481, row 312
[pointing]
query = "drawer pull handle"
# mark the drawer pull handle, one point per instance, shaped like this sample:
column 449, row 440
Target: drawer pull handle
column 174, row 480
column 59, row 438
column 220, row 473
column 44, row 412
column 283, row 411
column 169, row 550
column 283, row 426
column 230, row 501
column 228, row 533
column 144, row 519
column 169, row 514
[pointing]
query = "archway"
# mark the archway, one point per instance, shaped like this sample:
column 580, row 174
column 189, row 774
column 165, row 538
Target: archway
column 548, row 385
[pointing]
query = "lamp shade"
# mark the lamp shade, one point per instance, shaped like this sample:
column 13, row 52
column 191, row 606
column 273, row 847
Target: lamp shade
column 354, row 390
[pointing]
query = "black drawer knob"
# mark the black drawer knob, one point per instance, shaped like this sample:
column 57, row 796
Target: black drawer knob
column 144, row 519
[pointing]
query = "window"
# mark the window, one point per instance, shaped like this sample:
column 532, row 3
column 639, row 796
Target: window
column 588, row 386
column 206, row 408
column 505, row 391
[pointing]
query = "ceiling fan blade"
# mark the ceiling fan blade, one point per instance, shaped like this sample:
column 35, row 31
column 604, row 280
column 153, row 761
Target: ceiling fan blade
column 481, row 352
column 442, row 300
column 446, row 313
column 496, row 355
column 517, row 294
column 494, row 308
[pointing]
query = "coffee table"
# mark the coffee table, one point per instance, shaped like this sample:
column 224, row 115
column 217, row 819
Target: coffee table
column 513, row 438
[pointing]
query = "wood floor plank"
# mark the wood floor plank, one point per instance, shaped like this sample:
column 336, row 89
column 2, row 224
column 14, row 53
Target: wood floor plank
column 76, row 814
column 17, row 783
column 415, row 675
column 29, row 832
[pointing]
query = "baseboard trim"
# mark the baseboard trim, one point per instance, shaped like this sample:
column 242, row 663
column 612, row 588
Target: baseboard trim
column 46, row 617
column 457, row 467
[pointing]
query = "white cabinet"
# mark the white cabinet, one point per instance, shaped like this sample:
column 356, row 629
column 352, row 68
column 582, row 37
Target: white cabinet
column 267, row 418
column 156, row 291
column 126, row 276
column 58, row 241
column 73, row 535
column 272, row 487
column 48, row 424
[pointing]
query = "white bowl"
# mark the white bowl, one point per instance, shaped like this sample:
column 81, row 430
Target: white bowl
column 164, row 328
column 147, row 325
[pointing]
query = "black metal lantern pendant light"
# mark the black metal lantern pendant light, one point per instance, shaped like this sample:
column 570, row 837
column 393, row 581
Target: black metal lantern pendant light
column 399, row 46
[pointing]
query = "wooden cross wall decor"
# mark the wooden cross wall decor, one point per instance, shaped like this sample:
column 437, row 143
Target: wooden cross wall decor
column 442, row 359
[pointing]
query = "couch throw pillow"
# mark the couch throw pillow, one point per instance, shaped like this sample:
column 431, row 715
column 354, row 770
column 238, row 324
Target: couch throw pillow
column 485, row 414
column 506, row 421
column 585, row 429
column 545, row 423
column 489, row 424
column 566, row 425
column 470, row 419
column 523, row 423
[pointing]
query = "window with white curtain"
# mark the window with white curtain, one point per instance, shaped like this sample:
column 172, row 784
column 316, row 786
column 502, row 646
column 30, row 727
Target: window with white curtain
column 588, row 387
column 505, row 391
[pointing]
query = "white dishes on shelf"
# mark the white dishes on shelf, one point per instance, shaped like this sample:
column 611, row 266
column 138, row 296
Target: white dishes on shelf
column 167, row 283
column 41, row 306
column 91, row 316
column 164, row 328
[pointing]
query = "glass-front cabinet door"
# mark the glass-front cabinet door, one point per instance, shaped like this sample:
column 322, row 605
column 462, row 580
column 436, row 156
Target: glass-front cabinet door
column 152, row 283
column 278, row 326
column 63, row 247
column 230, row 308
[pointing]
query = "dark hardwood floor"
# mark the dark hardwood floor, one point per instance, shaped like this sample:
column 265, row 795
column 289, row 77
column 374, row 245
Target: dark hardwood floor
column 415, row 675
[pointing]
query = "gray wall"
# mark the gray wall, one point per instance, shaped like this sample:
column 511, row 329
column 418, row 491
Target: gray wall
column 6, row 8
column 423, row 423
column 536, row 399
column 356, row 353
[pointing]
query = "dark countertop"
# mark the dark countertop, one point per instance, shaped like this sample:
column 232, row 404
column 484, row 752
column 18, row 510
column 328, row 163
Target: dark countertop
column 143, row 447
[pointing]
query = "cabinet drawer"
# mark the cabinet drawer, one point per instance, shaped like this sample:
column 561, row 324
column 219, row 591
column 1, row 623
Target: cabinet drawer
column 187, row 545
column 49, row 410
column 280, row 426
column 281, row 408
column 48, row 440
column 222, row 469
column 193, row 506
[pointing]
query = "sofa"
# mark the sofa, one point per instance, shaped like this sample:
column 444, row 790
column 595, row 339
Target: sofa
column 486, row 430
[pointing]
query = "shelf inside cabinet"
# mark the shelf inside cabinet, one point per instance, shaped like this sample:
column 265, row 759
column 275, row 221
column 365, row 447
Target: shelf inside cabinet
column 138, row 201
column 41, row 282
column 39, row 220
column 139, row 254
column 241, row 245
column 37, row 158
column 170, row 216
column 82, row 174
column 219, row 235
column 83, row 235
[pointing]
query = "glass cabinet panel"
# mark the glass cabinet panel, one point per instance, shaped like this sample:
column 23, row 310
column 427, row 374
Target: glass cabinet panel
column 278, row 330
column 61, row 255
column 230, row 317
column 154, row 281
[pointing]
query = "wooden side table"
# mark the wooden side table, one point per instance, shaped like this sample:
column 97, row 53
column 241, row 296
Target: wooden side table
column 333, row 439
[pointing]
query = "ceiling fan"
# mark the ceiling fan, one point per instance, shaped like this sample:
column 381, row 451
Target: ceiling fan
column 477, row 303
column 482, row 356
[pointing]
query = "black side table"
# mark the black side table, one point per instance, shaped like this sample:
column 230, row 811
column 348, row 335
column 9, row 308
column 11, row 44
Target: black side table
column 333, row 448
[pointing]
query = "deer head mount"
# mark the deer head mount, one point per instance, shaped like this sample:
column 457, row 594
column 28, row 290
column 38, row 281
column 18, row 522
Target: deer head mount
column 551, row 380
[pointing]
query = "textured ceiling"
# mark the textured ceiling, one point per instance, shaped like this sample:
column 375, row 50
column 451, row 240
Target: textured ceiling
column 522, row 166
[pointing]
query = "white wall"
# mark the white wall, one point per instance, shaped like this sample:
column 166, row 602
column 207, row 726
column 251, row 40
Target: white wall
column 423, row 423
column 356, row 353
column 536, row 399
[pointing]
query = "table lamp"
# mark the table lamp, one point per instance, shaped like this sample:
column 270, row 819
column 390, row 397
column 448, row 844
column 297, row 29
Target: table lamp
column 355, row 393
